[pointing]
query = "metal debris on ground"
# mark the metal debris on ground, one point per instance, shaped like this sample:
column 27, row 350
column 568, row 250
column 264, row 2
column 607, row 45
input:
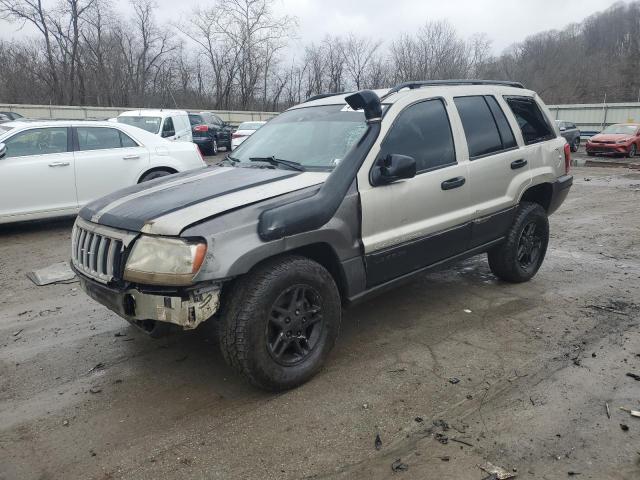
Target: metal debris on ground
column 378, row 442
column 633, row 413
column 95, row 390
column 624, row 427
column 454, row 380
column 98, row 366
column 445, row 458
column 442, row 438
column 398, row 466
column 606, row 405
column 15, row 334
column 418, row 420
column 496, row 472
column 56, row 273
column 442, row 424
column 635, row 376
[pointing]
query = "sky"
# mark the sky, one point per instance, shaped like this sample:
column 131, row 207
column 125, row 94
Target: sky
column 504, row 21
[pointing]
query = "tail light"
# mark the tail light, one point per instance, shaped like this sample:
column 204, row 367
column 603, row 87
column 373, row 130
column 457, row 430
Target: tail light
column 238, row 135
column 201, row 128
column 567, row 158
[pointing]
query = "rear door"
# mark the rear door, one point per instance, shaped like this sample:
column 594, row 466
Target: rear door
column 413, row 223
column 499, row 169
column 37, row 172
column 106, row 159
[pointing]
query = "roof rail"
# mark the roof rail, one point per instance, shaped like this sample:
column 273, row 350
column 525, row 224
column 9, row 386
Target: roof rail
column 434, row 83
column 324, row 95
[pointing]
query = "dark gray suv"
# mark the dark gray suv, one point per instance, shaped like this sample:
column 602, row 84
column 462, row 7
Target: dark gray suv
column 571, row 133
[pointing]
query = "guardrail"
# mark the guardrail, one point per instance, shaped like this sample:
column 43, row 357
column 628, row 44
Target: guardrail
column 60, row 112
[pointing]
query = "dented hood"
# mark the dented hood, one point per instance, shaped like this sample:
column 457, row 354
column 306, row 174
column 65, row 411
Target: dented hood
column 168, row 205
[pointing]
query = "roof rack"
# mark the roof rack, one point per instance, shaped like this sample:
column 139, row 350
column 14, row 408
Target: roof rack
column 324, row 95
column 434, row 83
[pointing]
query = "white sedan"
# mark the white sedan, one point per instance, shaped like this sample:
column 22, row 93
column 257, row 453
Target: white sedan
column 53, row 168
column 244, row 131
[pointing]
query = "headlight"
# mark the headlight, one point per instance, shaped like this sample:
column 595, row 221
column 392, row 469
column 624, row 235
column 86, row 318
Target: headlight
column 164, row 261
column 622, row 141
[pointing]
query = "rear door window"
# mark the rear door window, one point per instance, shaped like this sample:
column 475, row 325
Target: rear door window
column 422, row 131
column 195, row 119
column 533, row 123
column 480, row 125
column 102, row 138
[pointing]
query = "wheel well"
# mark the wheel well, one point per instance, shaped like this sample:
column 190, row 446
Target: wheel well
column 157, row 169
column 325, row 256
column 540, row 194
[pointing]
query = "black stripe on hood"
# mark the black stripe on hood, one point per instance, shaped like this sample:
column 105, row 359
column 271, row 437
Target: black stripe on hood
column 135, row 213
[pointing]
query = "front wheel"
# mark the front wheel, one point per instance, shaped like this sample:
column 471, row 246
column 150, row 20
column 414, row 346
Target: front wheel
column 633, row 149
column 575, row 145
column 280, row 321
column 520, row 256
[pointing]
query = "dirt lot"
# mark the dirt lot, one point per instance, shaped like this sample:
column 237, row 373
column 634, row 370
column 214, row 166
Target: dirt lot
column 82, row 395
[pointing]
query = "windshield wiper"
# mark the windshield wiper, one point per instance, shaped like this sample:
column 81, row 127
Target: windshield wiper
column 233, row 159
column 277, row 162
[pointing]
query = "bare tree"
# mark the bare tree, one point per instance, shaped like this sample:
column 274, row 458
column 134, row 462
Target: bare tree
column 358, row 54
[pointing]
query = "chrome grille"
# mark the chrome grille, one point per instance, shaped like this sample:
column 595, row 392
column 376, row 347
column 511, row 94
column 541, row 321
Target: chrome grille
column 95, row 253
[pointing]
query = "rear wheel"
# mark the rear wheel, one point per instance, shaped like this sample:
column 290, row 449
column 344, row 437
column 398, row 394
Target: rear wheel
column 280, row 321
column 214, row 147
column 633, row 150
column 153, row 175
column 520, row 256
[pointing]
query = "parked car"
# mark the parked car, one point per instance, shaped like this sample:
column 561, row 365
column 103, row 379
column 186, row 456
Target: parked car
column 12, row 115
column 210, row 132
column 4, row 118
column 245, row 129
column 570, row 132
column 333, row 201
column 52, row 168
column 170, row 124
column 618, row 139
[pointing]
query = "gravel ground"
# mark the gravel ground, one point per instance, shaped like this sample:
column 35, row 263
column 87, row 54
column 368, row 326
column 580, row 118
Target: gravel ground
column 83, row 395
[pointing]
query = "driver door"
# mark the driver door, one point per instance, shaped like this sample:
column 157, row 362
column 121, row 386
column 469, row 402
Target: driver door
column 37, row 174
column 414, row 223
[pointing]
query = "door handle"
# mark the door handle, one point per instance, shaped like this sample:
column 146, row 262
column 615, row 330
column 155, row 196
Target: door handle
column 59, row 164
column 453, row 183
column 518, row 164
column 131, row 157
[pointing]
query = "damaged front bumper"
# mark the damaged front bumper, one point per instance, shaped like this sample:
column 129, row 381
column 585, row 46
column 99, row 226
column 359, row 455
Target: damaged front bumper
column 187, row 310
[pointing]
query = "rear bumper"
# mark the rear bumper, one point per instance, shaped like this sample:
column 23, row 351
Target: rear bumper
column 561, row 187
column 187, row 311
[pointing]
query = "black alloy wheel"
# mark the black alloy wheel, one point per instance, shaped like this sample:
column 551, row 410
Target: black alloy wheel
column 295, row 325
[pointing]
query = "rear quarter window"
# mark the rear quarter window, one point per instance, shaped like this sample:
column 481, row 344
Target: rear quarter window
column 533, row 123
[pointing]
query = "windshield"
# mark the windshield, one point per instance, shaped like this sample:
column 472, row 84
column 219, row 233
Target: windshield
column 315, row 137
column 150, row 124
column 621, row 129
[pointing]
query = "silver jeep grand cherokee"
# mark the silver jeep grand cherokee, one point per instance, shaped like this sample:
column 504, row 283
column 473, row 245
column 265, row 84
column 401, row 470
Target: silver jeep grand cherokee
column 334, row 200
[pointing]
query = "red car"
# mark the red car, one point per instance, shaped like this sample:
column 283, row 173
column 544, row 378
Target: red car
column 619, row 139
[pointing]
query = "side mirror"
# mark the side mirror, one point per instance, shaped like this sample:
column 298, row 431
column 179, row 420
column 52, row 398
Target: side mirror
column 392, row 168
column 3, row 150
column 168, row 133
column 562, row 129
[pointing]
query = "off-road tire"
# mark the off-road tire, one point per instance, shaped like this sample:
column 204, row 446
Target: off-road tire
column 247, row 305
column 503, row 259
